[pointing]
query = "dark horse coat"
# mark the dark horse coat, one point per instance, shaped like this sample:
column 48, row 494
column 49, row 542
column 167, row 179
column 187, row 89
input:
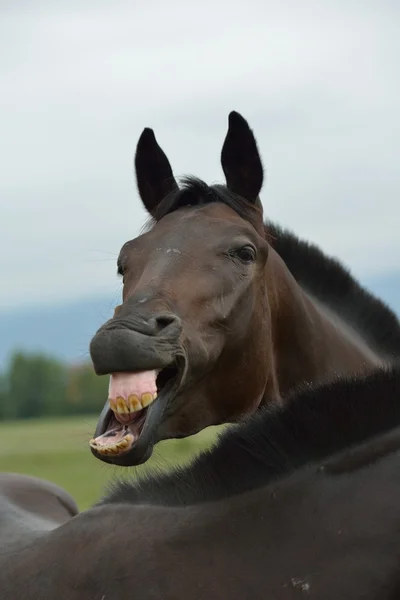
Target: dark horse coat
column 299, row 502
column 222, row 312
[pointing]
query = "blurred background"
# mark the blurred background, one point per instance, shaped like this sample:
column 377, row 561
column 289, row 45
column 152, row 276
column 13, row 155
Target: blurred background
column 319, row 84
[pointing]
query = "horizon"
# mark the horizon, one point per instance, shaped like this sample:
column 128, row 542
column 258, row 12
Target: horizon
column 63, row 330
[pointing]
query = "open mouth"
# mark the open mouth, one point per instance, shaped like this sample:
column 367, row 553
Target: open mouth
column 135, row 407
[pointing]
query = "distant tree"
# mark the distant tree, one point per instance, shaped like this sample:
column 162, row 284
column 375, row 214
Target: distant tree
column 86, row 392
column 36, row 385
column 3, row 396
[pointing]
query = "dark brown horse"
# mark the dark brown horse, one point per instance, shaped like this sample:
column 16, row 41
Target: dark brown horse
column 222, row 313
column 29, row 506
column 296, row 502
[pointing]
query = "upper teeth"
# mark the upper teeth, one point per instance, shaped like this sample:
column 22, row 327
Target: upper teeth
column 125, row 406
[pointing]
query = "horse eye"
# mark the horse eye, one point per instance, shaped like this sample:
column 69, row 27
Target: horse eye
column 246, row 254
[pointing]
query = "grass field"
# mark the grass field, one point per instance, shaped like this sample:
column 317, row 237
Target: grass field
column 58, row 450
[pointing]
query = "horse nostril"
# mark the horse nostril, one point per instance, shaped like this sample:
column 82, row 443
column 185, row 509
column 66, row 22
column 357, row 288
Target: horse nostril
column 163, row 321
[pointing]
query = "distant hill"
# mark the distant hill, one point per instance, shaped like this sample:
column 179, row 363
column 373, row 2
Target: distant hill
column 64, row 331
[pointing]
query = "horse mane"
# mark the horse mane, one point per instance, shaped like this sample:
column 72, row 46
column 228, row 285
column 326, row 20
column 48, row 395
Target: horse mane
column 195, row 193
column 315, row 423
column 331, row 283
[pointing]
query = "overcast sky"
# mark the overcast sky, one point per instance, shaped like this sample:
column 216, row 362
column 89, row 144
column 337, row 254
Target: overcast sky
column 318, row 82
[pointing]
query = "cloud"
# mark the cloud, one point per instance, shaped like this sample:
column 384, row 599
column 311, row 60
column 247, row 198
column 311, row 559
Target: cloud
column 318, row 83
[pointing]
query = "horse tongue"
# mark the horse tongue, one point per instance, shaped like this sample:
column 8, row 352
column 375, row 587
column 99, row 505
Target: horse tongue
column 136, row 383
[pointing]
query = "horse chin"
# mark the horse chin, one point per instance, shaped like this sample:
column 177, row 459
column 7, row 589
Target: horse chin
column 129, row 442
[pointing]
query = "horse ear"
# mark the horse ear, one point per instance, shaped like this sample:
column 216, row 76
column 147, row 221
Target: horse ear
column 240, row 159
column 154, row 176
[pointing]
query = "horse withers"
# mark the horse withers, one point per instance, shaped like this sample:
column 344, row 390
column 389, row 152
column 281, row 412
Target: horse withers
column 221, row 313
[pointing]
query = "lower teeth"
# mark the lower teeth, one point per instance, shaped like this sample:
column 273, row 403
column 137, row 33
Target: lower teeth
column 113, row 448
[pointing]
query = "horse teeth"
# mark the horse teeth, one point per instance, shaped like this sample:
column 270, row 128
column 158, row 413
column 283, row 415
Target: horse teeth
column 123, row 406
column 147, row 399
column 108, row 449
column 128, row 439
column 134, row 403
column 101, row 450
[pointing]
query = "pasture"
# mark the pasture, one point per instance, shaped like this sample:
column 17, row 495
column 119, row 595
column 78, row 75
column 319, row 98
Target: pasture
column 58, row 450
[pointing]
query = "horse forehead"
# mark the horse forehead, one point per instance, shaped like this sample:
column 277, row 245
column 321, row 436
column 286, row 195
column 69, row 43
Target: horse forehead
column 186, row 225
column 215, row 212
column 185, row 229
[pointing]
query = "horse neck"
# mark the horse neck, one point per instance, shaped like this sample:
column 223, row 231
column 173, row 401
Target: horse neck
column 311, row 342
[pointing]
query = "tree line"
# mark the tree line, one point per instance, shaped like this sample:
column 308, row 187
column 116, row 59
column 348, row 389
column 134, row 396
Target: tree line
column 35, row 385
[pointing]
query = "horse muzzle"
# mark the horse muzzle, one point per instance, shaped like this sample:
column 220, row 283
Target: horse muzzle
column 135, row 344
column 147, row 364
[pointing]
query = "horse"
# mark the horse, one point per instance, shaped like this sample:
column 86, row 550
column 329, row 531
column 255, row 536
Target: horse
column 31, row 505
column 222, row 313
column 298, row 500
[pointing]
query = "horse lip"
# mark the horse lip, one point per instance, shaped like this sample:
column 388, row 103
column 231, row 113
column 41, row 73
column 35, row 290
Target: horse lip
column 143, row 447
column 118, row 349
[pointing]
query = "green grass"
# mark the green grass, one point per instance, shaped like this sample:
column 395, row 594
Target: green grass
column 58, row 450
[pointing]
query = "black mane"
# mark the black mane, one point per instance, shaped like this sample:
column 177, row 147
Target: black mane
column 316, row 423
column 333, row 285
column 195, row 192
